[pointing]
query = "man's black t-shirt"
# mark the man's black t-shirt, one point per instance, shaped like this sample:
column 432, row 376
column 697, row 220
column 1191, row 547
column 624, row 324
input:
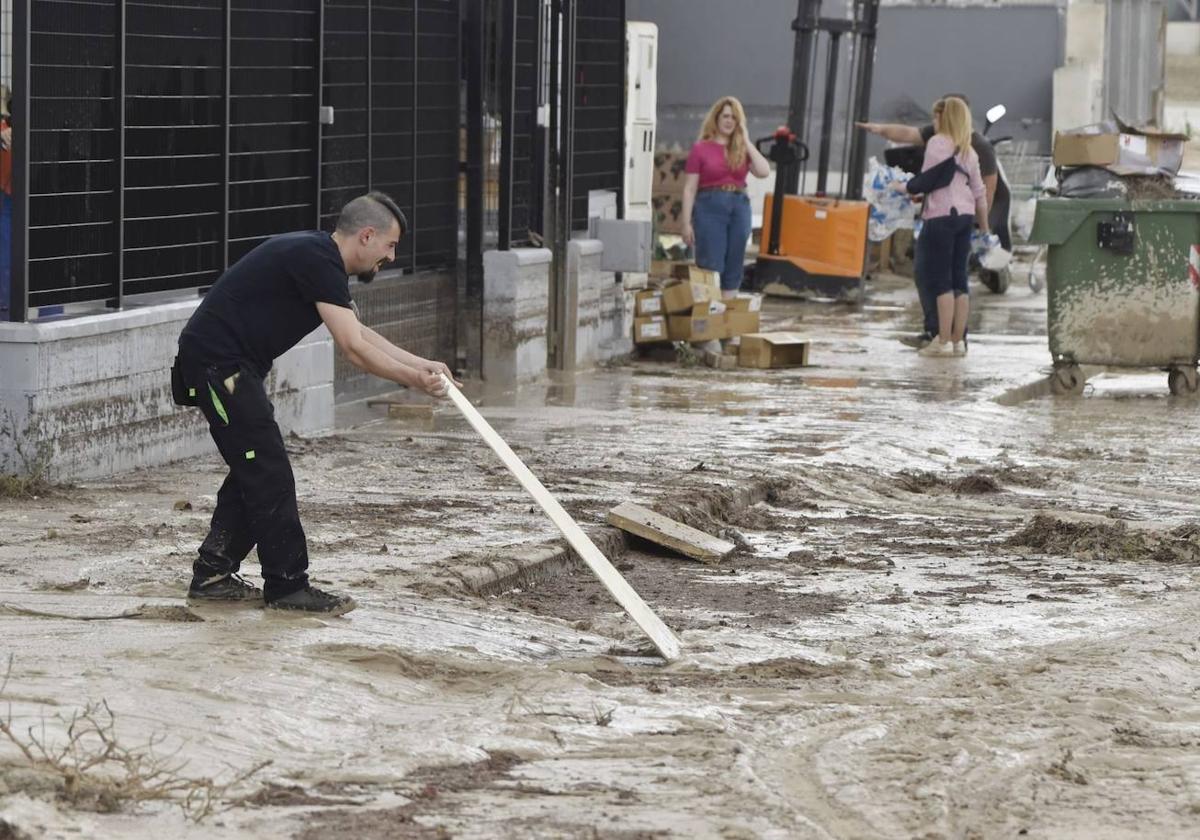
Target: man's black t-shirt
column 981, row 145
column 266, row 301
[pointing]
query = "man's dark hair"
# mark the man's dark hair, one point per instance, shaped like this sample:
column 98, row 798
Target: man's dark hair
column 375, row 209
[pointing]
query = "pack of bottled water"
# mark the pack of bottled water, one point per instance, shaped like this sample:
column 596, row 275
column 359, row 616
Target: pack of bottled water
column 891, row 209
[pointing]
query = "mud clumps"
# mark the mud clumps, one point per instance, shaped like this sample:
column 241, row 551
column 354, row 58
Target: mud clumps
column 425, row 788
column 977, row 483
column 804, row 557
column 165, row 612
column 914, row 481
column 1107, row 541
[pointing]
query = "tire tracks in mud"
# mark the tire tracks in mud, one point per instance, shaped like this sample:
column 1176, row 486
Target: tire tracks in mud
column 1096, row 736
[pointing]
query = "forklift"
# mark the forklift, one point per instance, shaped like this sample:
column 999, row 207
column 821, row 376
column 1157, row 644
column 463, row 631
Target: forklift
column 816, row 245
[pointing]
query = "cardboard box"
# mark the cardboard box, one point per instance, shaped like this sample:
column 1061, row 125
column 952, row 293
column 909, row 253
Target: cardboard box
column 773, row 350
column 681, row 296
column 662, row 268
column 740, row 322
column 1121, row 148
column 692, row 286
column 668, row 213
column 668, row 173
column 720, row 361
column 649, row 303
column 650, row 330
column 744, row 302
column 700, row 324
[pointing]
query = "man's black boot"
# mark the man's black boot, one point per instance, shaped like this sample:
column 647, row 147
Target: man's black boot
column 314, row 600
column 223, row 588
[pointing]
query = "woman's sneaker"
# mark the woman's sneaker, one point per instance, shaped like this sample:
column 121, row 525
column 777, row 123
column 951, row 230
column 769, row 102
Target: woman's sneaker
column 960, row 348
column 937, row 348
column 313, row 600
column 223, row 588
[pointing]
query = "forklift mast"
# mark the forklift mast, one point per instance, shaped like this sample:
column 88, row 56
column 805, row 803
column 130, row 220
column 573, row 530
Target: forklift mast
column 861, row 27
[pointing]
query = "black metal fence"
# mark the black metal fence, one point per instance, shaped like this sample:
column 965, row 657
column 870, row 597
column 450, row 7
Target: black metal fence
column 521, row 31
column 157, row 141
column 391, row 76
column 165, row 139
column 599, row 103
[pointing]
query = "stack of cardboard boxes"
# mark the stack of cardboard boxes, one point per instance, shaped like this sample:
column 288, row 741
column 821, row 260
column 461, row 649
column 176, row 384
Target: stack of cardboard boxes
column 685, row 305
column 666, row 195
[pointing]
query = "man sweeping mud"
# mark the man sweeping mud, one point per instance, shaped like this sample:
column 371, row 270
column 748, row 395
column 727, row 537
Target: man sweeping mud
column 259, row 308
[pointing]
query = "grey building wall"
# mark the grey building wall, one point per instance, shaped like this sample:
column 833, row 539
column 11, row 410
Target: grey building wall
column 992, row 54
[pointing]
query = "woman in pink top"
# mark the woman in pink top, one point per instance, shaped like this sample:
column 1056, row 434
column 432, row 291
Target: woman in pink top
column 716, row 209
column 950, row 213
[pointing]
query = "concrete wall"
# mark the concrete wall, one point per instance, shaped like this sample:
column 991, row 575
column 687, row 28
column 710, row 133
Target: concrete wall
column 1079, row 83
column 1004, row 53
column 516, row 312
column 516, row 285
column 95, row 392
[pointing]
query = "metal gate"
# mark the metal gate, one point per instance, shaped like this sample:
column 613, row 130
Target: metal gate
column 599, row 103
column 159, row 141
column 1135, row 62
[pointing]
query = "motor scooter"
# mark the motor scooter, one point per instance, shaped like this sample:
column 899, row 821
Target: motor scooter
column 910, row 158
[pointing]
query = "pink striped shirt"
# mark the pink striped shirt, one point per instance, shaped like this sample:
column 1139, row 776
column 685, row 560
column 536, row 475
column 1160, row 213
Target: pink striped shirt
column 964, row 192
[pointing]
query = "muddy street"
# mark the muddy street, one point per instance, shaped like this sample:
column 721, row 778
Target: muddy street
column 958, row 608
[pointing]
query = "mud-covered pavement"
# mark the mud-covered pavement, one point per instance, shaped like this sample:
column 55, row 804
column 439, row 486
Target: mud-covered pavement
column 956, row 614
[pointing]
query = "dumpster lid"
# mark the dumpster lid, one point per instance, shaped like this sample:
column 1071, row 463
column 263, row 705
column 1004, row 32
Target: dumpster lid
column 1057, row 218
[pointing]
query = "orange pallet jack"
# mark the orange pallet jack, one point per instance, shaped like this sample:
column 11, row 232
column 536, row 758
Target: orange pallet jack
column 816, row 245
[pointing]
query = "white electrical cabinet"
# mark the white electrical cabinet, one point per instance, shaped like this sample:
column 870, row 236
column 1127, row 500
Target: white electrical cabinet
column 641, row 108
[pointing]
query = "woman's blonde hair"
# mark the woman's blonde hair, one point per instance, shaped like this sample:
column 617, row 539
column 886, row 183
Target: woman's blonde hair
column 954, row 120
column 735, row 152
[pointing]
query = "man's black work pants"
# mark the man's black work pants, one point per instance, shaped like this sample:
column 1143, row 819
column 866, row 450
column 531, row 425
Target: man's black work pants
column 257, row 503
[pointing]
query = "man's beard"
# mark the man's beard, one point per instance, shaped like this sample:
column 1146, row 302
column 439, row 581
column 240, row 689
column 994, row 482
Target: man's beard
column 367, row 276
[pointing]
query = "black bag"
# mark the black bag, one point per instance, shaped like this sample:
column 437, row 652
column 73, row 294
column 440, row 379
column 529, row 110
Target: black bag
column 935, row 177
column 181, row 392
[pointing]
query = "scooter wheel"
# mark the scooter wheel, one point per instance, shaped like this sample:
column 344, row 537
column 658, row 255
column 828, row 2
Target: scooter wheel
column 996, row 281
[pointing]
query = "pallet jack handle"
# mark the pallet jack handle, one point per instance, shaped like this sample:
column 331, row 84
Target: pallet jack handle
column 787, row 153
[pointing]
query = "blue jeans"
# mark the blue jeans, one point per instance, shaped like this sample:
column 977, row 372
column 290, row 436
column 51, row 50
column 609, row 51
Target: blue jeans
column 5, row 255
column 721, row 221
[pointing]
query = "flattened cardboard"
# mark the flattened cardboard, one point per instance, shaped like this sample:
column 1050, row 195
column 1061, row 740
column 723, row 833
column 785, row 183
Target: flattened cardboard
column 773, row 350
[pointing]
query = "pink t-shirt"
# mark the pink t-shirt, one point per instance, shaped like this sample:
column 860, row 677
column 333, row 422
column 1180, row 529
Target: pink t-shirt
column 707, row 159
column 964, row 191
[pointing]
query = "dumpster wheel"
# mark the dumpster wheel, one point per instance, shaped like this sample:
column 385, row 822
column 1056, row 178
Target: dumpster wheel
column 1183, row 381
column 1067, row 380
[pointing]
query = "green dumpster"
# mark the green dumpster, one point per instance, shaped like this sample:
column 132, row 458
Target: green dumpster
column 1122, row 286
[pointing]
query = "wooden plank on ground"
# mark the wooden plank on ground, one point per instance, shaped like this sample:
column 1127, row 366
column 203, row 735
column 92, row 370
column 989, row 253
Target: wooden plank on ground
column 662, row 637
column 658, row 529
